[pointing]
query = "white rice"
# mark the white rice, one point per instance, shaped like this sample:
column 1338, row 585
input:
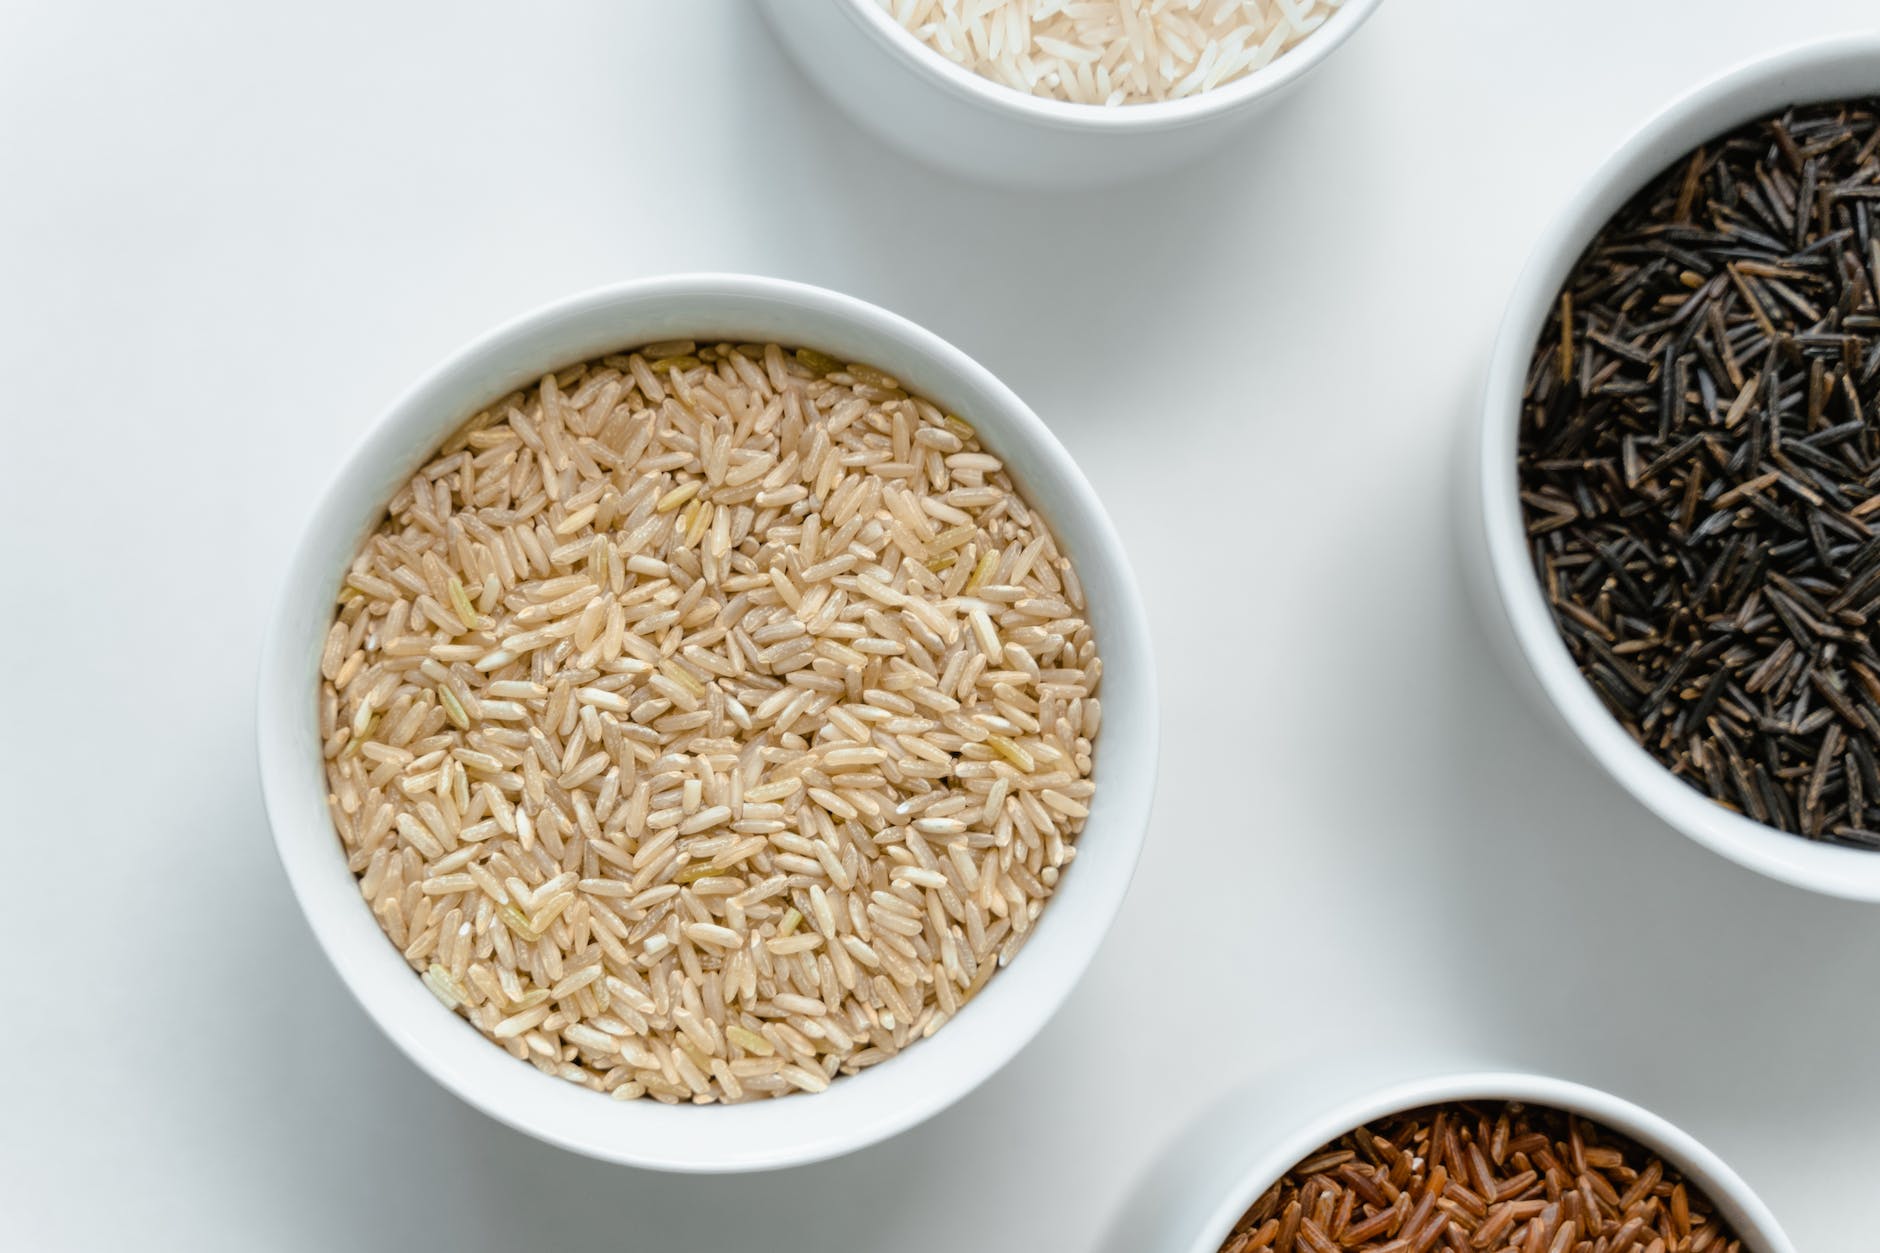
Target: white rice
column 1111, row 52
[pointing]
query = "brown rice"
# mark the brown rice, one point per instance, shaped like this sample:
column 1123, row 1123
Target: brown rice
column 705, row 723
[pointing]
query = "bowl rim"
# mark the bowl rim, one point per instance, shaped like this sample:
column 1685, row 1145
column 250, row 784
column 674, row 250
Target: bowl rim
column 1740, row 93
column 759, row 1135
column 1158, row 115
column 1753, row 1220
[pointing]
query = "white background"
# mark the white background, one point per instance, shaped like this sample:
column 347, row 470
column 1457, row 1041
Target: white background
column 231, row 233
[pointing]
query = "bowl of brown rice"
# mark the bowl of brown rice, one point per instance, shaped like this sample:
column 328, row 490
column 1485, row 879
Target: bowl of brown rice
column 1045, row 94
column 1504, row 1162
column 712, row 692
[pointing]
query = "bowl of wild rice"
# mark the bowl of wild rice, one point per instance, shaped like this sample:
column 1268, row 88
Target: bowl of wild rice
column 1485, row 1161
column 1042, row 93
column 701, row 692
column 1679, row 467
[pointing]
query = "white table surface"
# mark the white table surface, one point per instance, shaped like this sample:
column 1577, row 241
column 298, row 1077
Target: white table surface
column 230, row 233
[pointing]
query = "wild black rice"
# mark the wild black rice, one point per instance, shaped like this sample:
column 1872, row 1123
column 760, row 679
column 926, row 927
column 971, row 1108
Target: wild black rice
column 1700, row 469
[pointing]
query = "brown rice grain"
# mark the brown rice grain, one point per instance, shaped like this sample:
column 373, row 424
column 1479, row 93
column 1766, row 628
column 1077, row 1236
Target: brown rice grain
column 688, row 713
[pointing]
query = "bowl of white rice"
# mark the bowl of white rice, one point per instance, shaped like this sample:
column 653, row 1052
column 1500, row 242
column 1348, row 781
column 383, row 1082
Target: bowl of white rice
column 1043, row 92
column 709, row 724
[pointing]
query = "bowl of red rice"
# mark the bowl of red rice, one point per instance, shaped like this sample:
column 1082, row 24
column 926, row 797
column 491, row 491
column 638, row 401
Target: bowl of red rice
column 1490, row 1160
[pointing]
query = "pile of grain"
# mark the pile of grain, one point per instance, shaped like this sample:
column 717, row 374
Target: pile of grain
column 1700, row 469
column 1111, row 52
column 1482, row 1177
column 706, row 723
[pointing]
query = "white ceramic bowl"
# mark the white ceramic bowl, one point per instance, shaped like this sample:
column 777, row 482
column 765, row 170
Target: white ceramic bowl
column 895, row 86
column 1196, row 1192
column 1516, row 608
column 856, row 1110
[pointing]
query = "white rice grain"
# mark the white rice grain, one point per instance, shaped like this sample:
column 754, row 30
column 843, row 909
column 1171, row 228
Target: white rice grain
column 1111, row 52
